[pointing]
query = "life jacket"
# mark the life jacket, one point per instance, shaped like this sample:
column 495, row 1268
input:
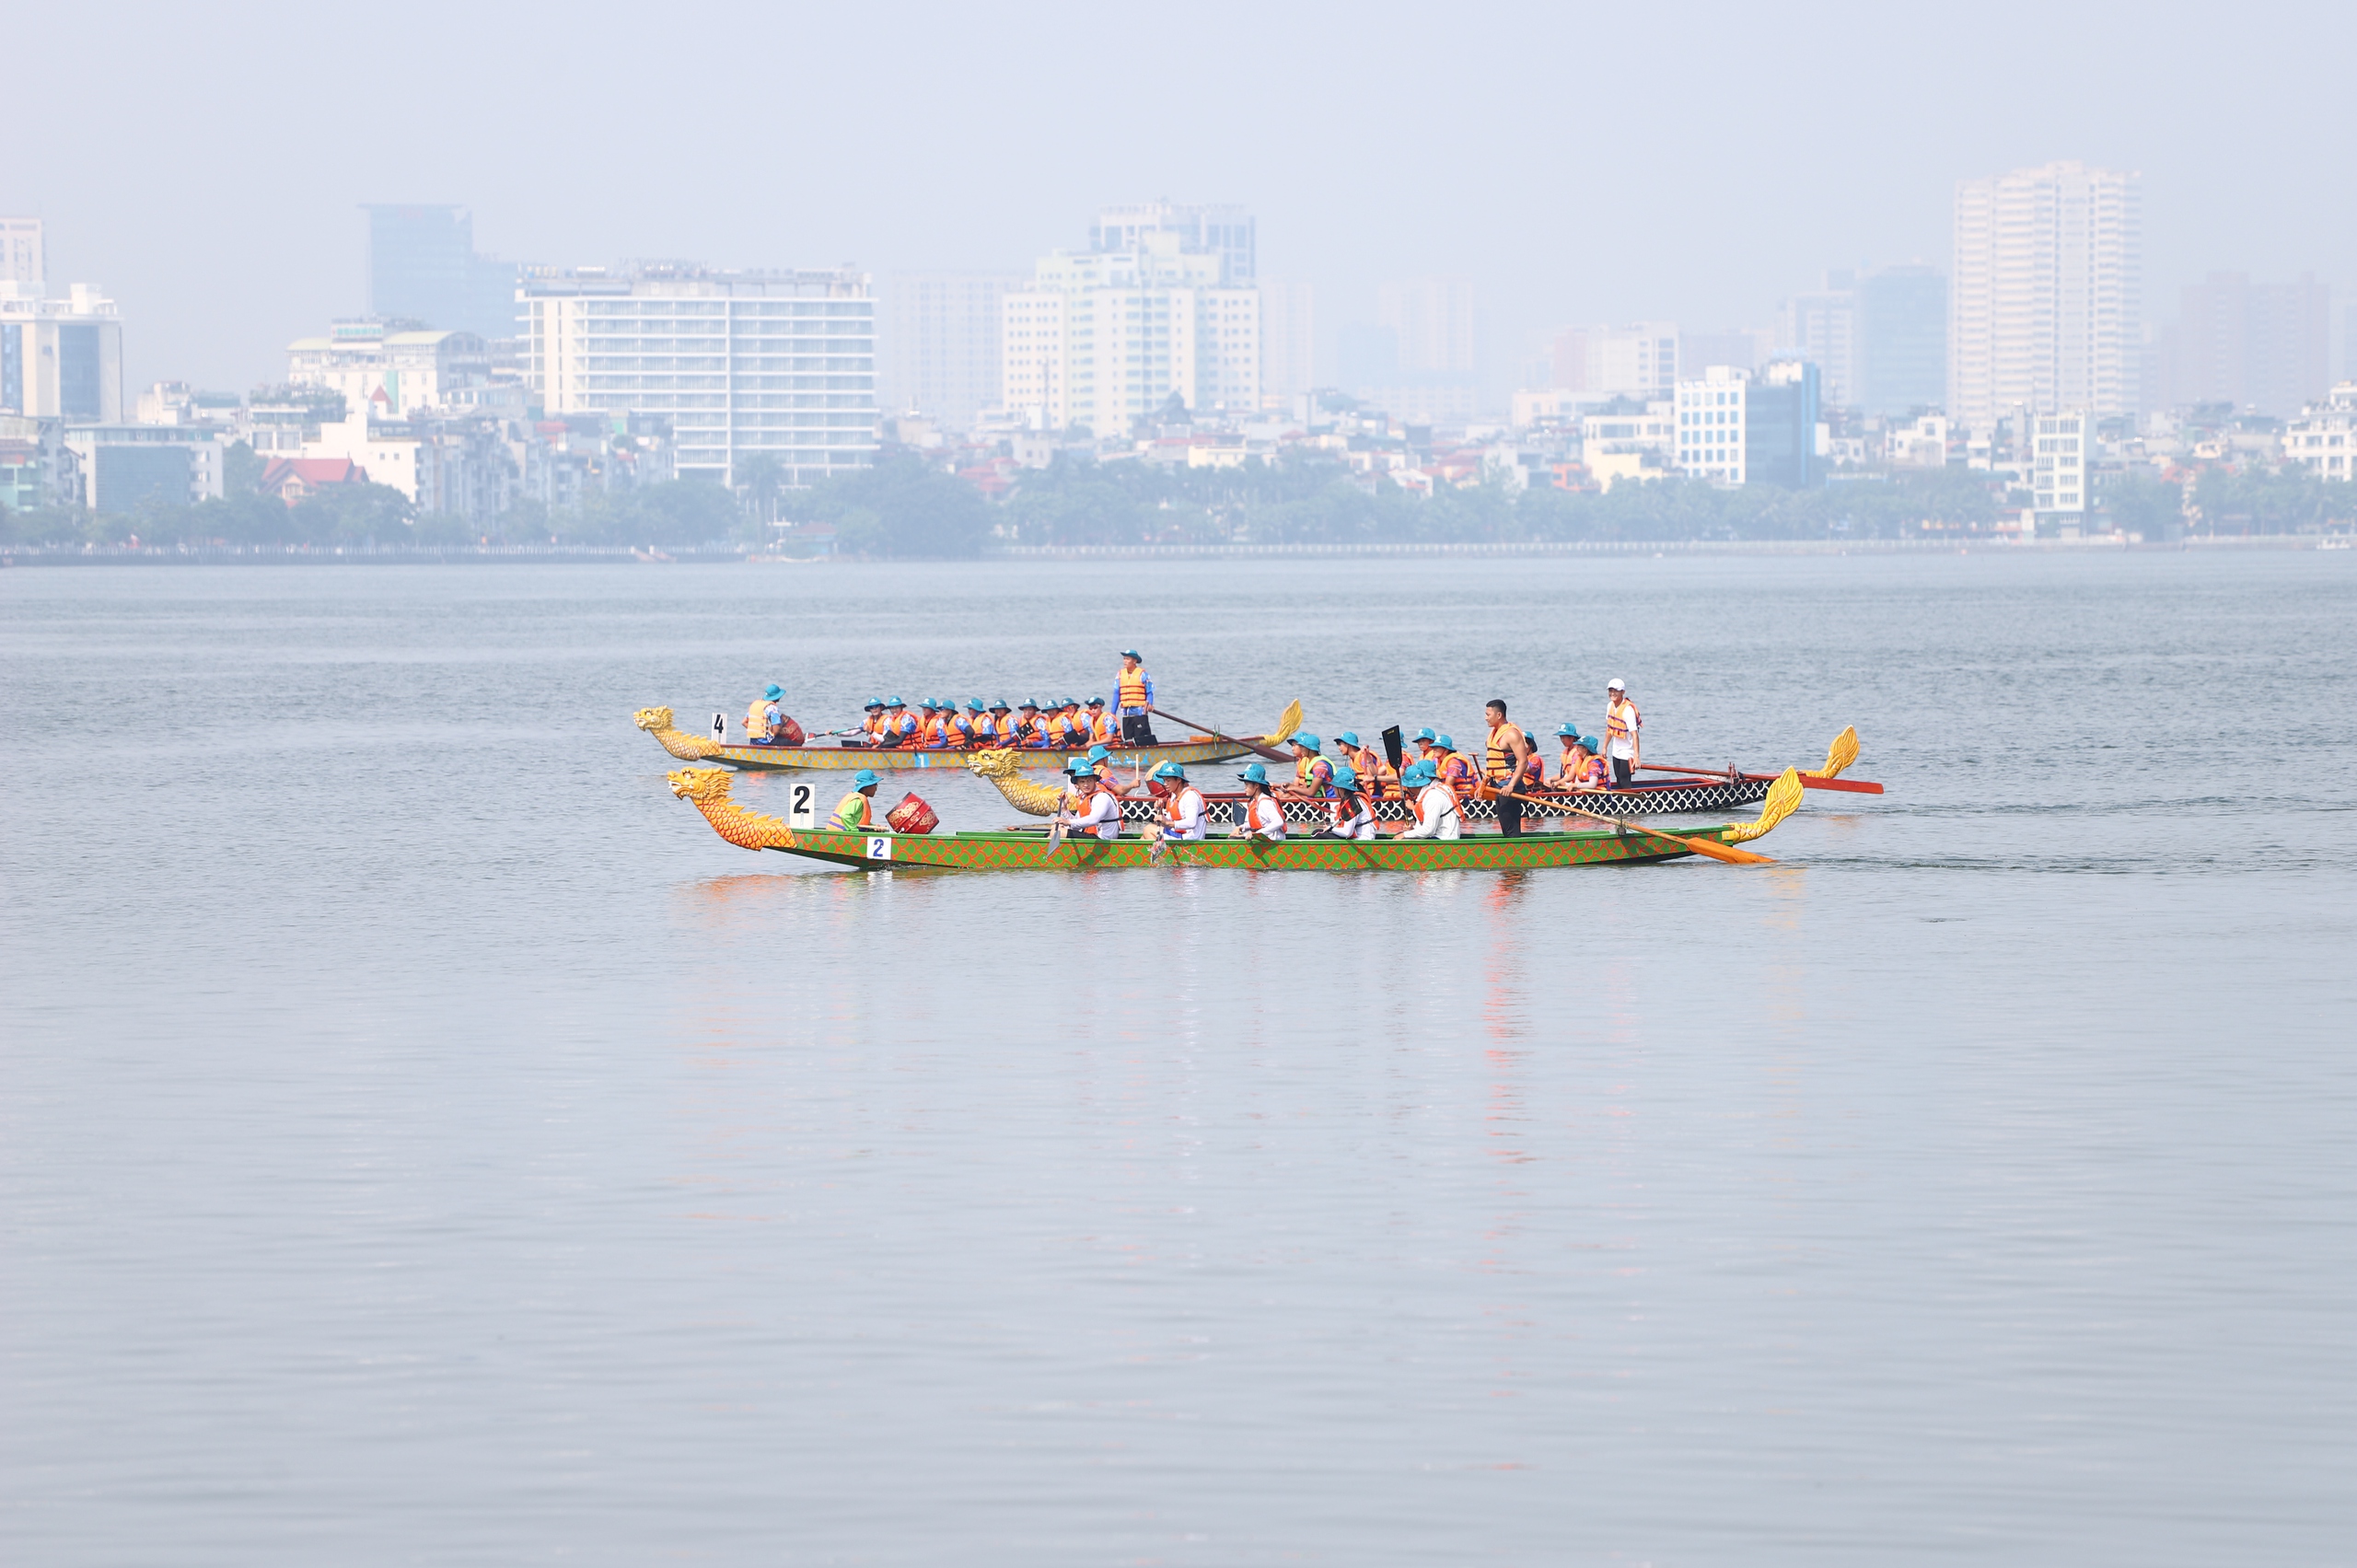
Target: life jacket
column 1503, row 767
column 1252, row 809
column 1174, row 810
column 1307, row 775
column 851, row 814
column 1457, row 774
column 1100, row 729
column 1131, row 688
column 1619, row 727
column 1111, row 828
column 980, row 730
column 757, row 719
column 872, row 727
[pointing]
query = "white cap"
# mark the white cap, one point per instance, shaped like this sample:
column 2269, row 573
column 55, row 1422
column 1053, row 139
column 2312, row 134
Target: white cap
column 1616, row 684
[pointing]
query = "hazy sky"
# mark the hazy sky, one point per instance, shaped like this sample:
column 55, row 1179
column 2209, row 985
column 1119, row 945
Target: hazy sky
column 1579, row 162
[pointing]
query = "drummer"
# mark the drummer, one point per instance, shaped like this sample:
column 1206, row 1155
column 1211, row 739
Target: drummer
column 856, row 813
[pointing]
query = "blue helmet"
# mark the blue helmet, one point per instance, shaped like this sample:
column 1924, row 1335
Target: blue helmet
column 865, row 779
column 1254, row 773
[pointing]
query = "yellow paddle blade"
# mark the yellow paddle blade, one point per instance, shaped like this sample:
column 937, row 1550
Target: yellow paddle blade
column 1287, row 722
column 1783, row 797
column 1841, row 754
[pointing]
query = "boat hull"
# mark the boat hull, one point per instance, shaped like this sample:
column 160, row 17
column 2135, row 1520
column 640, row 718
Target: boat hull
column 1648, row 800
column 1030, row 852
column 688, row 748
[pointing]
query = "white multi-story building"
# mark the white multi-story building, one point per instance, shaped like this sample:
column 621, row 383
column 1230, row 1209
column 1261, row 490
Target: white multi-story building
column 60, row 358
column 23, row 257
column 397, row 373
column 2045, row 307
column 1214, row 229
column 1918, row 442
column 1639, row 360
column 1744, row 427
column 2323, row 438
column 2062, row 462
column 741, row 363
column 1103, row 337
column 123, row 465
column 1710, row 425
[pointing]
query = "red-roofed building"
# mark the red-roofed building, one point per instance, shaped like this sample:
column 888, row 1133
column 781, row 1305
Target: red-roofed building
column 295, row 480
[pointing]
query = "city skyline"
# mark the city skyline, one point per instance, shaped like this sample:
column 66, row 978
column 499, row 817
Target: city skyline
column 955, row 156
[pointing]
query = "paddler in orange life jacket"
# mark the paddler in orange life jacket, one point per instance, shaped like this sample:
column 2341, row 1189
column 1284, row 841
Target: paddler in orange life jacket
column 1262, row 815
column 999, row 720
column 1348, row 813
column 1375, row 770
column 1091, row 803
column 956, row 734
column 1071, row 726
column 900, row 725
column 764, row 718
column 1100, row 729
column 1457, row 773
column 1132, row 695
column 857, row 812
column 1623, row 739
column 1183, row 815
column 979, row 731
column 871, row 728
column 1579, row 767
column 1505, row 766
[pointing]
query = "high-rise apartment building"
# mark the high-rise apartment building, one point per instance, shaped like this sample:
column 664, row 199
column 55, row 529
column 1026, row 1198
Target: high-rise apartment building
column 1821, row 326
column 1432, row 319
column 24, row 257
column 1902, row 346
column 60, row 358
column 422, row 267
column 1217, row 229
column 2062, row 453
column 739, row 363
column 1288, row 339
column 2044, row 312
column 937, row 342
column 1104, row 338
column 1635, row 360
column 1744, row 427
column 2265, row 348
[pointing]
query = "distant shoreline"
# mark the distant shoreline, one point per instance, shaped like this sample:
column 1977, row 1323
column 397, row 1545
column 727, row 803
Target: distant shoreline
column 561, row 555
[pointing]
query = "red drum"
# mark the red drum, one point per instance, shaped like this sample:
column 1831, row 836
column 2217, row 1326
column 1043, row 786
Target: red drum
column 912, row 816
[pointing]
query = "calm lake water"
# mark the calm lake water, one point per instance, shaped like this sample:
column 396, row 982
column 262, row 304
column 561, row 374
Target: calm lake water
column 421, row 1140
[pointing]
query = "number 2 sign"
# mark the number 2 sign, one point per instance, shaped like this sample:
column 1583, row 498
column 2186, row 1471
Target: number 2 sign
column 803, row 801
column 880, row 848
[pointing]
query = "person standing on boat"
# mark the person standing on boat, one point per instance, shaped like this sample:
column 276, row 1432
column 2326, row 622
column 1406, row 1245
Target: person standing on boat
column 1505, row 766
column 1091, row 805
column 1623, row 737
column 1184, row 815
column 1132, row 695
column 1579, row 767
column 1437, row 813
column 856, row 813
column 1261, row 815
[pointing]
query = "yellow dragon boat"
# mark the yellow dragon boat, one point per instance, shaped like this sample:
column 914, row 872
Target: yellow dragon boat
column 657, row 722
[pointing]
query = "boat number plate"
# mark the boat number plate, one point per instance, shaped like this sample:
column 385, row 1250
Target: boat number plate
column 803, row 813
column 879, row 849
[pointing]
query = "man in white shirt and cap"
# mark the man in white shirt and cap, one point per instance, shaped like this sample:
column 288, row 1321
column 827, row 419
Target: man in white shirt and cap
column 1623, row 744
column 1437, row 813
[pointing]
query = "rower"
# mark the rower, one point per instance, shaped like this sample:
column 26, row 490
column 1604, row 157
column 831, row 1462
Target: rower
column 1457, row 773
column 1100, row 766
column 899, row 723
column 1001, row 720
column 1623, row 744
column 1090, row 804
column 1580, row 767
column 1437, row 813
column 871, row 728
column 1312, row 773
column 1261, row 815
column 1424, row 740
column 855, row 813
column 977, row 722
column 1030, row 729
column 1064, row 727
column 956, row 730
column 1100, row 729
column 1505, row 766
column 1376, row 775
column 1132, row 695
column 1184, row 815
column 1348, row 814
column 764, row 718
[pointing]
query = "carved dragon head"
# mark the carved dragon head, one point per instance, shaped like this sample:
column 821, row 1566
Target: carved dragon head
column 707, row 784
column 997, row 765
column 652, row 718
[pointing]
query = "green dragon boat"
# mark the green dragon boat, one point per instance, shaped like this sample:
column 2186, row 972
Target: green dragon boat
column 1034, row 850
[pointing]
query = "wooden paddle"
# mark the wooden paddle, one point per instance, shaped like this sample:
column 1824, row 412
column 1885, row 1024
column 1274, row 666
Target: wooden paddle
column 1270, row 752
column 1704, row 847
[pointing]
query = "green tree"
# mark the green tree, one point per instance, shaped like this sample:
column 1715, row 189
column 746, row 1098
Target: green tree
column 241, row 469
column 2143, row 503
column 901, row 507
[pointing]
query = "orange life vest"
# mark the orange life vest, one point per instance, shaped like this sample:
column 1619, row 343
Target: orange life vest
column 1502, row 766
column 1131, row 688
column 1100, row 729
column 757, row 719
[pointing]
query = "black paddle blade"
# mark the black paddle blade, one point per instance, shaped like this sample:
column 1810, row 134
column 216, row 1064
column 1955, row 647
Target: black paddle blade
column 1391, row 746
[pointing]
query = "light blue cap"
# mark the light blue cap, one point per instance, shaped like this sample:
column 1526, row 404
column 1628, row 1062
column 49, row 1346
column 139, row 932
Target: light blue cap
column 998, row 705
column 1446, row 743
column 976, row 705
column 1098, row 753
column 1303, row 737
column 864, row 778
column 1029, row 703
column 1254, row 773
column 1080, row 765
column 875, row 702
column 773, row 691
column 1570, row 729
column 1426, row 734
column 1345, row 776
column 894, row 703
column 1349, row 737
column 1422, row 772
column 1170, row 771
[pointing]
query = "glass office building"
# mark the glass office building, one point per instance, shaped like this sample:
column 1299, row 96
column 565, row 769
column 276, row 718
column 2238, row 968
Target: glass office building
column 422, row 267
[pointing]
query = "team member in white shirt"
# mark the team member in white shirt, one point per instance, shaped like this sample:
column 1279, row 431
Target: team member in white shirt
column 1091, row 805
column 1353, row 818
column 1437, row 813
column 1183, row 815
column 1262, row 814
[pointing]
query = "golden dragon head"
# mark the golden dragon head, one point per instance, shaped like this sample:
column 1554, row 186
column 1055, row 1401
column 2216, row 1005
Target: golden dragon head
column 707, row 784
column 651, row 718
column 997, row 765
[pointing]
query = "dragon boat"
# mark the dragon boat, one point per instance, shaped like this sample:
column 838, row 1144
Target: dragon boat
column 756, row 757
column 1033, row 849
column 1691, row 792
